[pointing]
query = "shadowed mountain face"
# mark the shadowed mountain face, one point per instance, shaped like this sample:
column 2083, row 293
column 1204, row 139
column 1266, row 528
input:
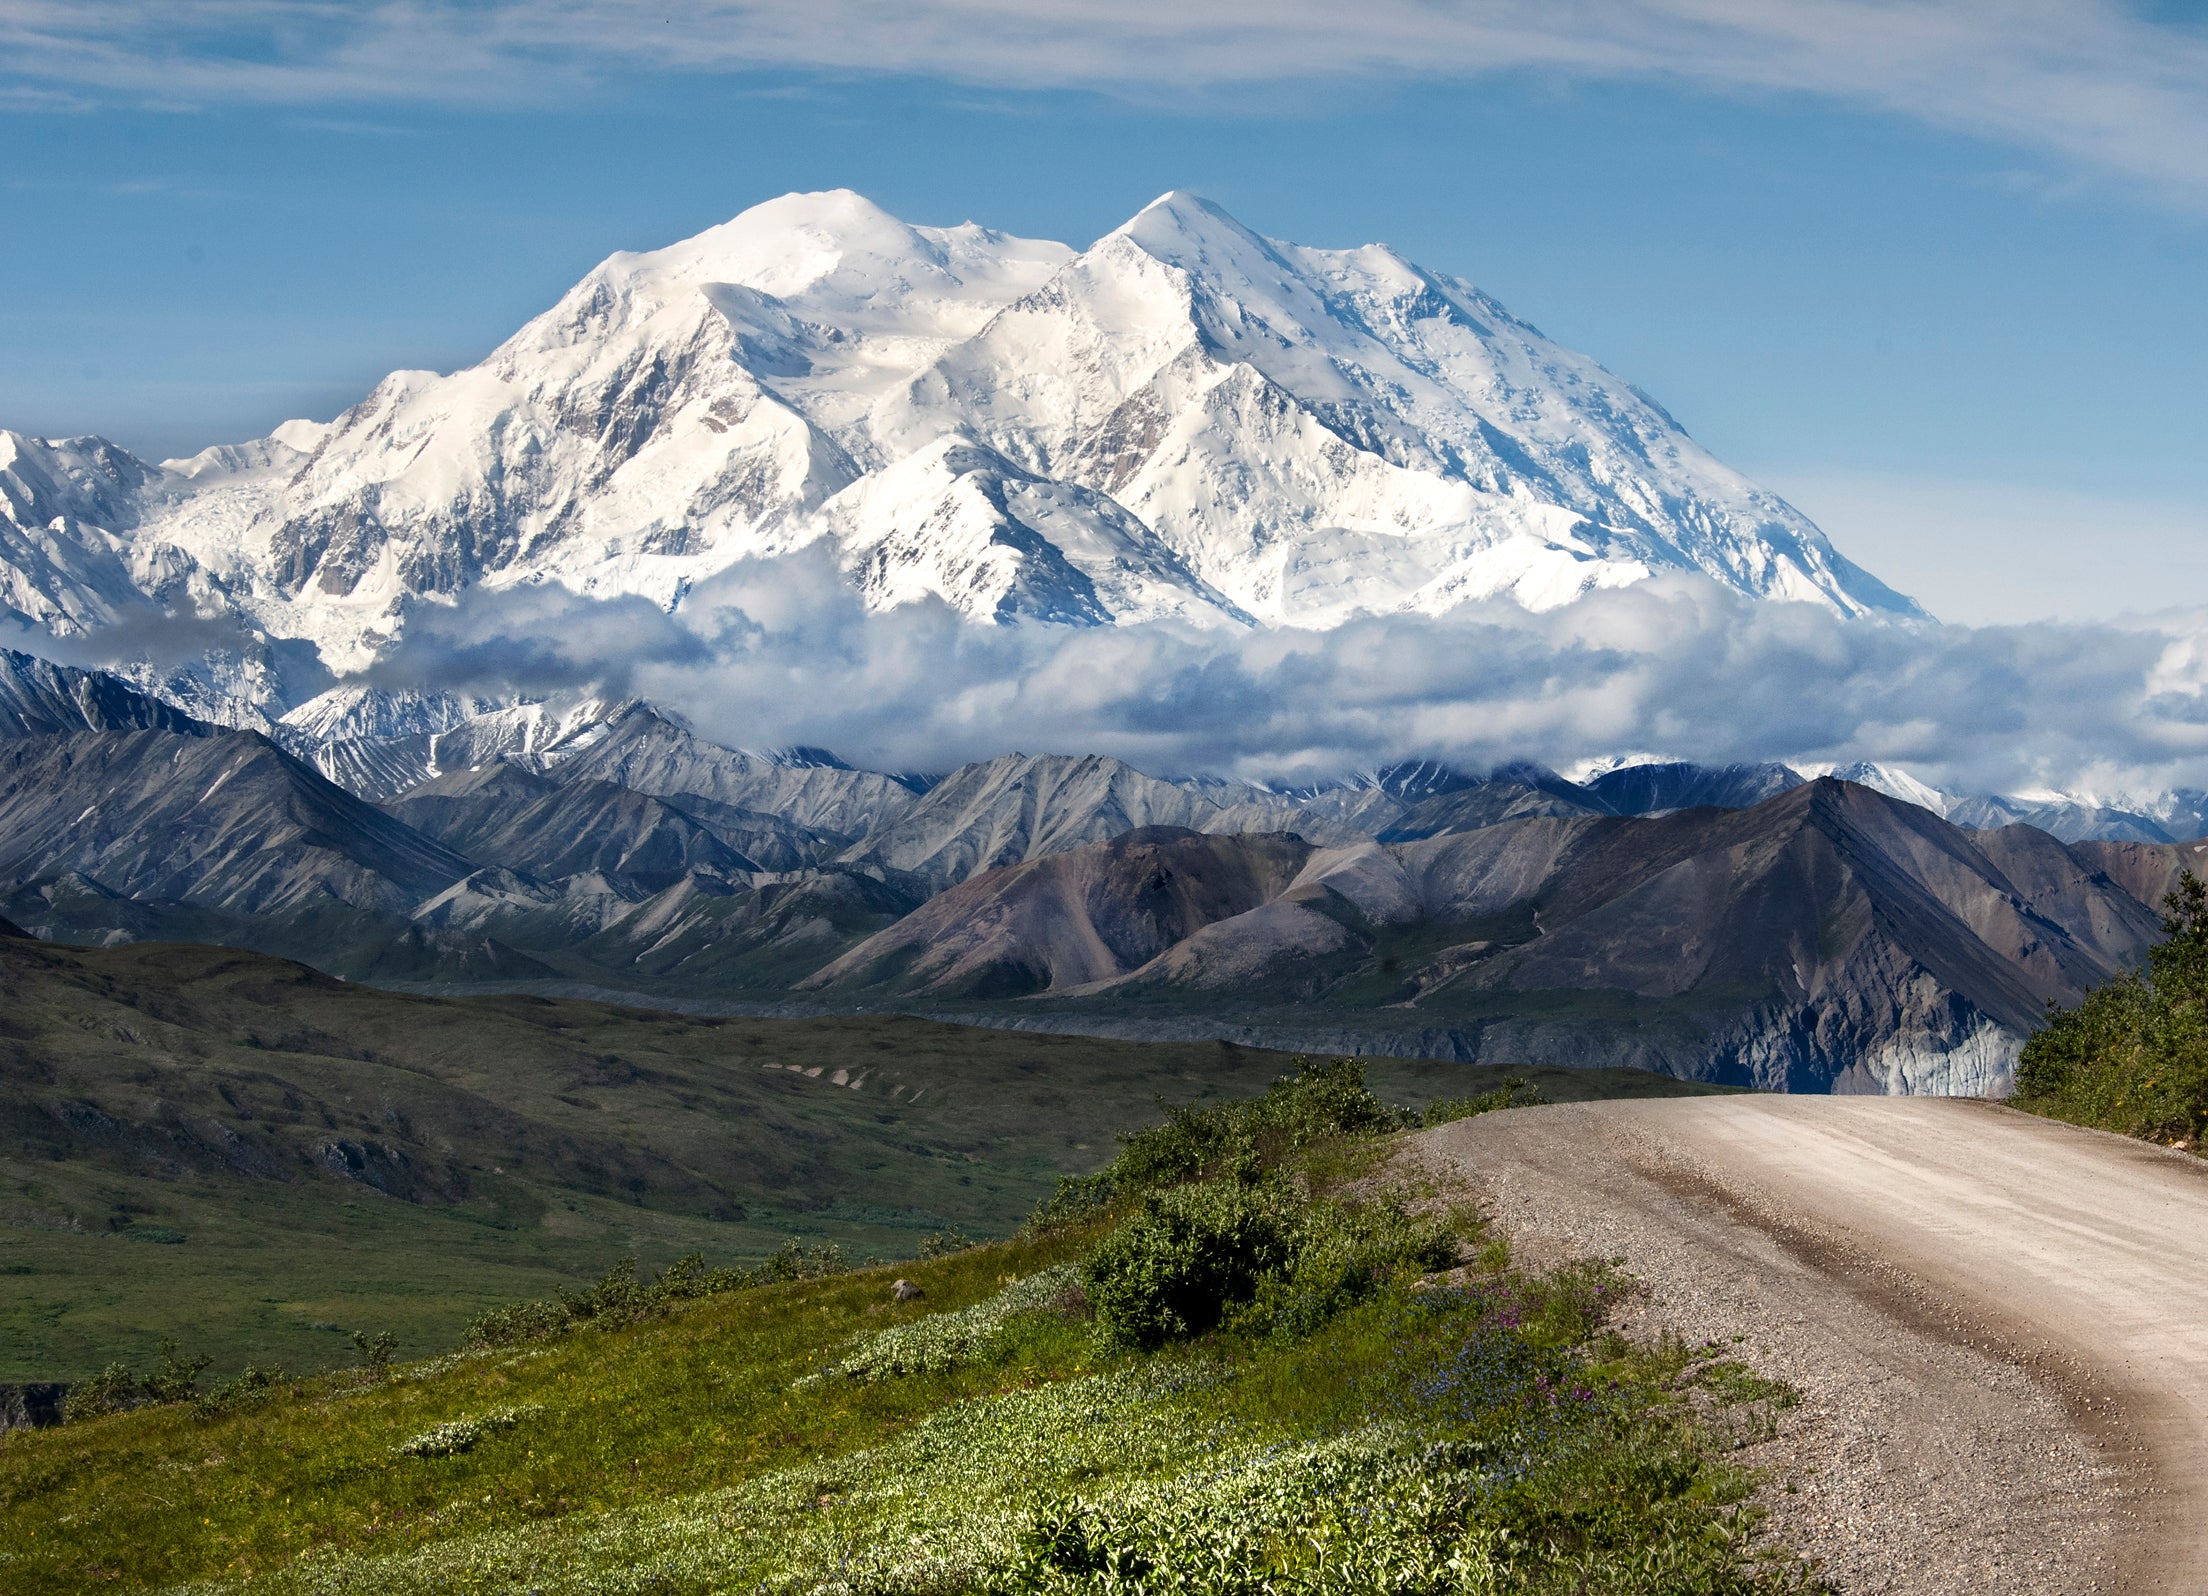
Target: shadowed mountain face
column 554, row 829
column 1023, row 807
column 641, row 749
column 1657, row 788
column 1072, row 919
column 1747, row 928
column 39, row 698
column 1829, row 938
column 1487, row 803
column 227, row 821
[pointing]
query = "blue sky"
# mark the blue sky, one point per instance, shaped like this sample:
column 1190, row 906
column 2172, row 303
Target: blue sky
column 1936, row 272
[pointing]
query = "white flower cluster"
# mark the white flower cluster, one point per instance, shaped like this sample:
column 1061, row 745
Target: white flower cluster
column 1375, row 1511
column 944, row 1506
column 946, row 1340
column 457, row 1435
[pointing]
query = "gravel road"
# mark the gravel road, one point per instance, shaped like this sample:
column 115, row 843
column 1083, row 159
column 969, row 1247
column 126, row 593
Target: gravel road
column 1999, row 1325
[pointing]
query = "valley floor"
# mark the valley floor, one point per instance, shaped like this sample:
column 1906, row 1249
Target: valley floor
column 1999, row 1325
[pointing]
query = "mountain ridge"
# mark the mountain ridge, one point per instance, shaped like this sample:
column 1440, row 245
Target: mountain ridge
column 1516, row 913
column 1185, row 421
column 1829, row 938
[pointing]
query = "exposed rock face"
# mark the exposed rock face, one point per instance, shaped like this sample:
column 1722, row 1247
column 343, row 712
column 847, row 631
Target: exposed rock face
column 1027, row 806
column 1072, row 919
column 227, row 821
column 557, row 829
column 39, row 698
column 640, row 748
column 1830, row 938
column 1659, row 787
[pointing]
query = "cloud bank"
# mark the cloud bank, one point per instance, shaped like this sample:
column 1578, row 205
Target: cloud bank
column 783, row 653
column 2092, row 82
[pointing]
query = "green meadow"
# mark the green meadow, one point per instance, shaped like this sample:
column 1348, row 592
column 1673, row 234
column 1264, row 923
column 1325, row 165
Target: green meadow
column 1246, row 1356
column 257, row 1160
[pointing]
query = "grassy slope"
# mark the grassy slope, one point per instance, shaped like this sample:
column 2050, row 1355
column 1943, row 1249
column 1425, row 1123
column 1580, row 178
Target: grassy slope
column 173, row 1119
column 681, row 1455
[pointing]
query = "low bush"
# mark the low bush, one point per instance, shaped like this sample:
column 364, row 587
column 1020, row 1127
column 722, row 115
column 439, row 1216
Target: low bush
column 251, row 1386
column 376, row 1352
column 1257, row 1253
column 1175, row 1267
column 1348, row 1253
column 1326, row 1101
column 1513, row 1093
column 620, row 1297
column 945, row 1242
column 116, row 1389
column 1323, row 1101
column 2132, row 1056
column 113, row 1390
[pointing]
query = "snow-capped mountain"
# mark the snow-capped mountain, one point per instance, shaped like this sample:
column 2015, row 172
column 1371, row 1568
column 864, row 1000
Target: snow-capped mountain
column 1184, row 420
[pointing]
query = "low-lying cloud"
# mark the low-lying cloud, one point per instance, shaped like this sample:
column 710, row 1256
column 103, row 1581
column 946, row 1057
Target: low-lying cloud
column 783, row 653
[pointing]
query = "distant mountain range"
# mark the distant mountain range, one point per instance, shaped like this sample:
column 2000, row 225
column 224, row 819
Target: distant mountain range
column 1185, row 420
column 1185, row 423
column 1744, row 924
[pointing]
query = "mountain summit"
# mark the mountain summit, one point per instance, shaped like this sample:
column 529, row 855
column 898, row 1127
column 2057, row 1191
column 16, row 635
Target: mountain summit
column 1186, row 420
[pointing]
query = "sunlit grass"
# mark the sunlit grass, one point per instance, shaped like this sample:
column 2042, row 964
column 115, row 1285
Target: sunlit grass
column 1351, row 1422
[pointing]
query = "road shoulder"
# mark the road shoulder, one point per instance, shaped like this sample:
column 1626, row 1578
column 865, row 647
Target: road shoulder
column 1925, row 1456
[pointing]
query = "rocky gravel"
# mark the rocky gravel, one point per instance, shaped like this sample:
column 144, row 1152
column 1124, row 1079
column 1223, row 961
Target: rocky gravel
column 1945, row 1443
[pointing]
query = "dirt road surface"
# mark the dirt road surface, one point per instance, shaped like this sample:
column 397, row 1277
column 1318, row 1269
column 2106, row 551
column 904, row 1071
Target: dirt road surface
column 1999, row 1325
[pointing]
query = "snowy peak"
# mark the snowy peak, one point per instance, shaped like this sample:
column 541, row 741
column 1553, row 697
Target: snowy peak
column 1186, row 420
column 1886, row 779
column 837, row 253
column 1321, row 433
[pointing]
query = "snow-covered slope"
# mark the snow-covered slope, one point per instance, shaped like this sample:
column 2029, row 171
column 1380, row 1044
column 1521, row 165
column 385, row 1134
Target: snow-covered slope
column 1185, row 420
column 1323, row 432
column 65, row 511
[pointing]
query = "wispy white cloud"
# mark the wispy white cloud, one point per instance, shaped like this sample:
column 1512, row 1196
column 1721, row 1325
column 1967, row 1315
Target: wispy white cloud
column 2093, row 82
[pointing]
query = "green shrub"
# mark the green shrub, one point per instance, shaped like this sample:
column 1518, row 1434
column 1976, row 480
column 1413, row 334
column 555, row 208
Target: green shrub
column 113, row 1390
column 252, row 1386
column 2133, row 1055
column 1513, row 1093
column 376, row 1352
column 515, row 1323
column 1219, row 1234
column 1324, row 1100
column 1346, row 1255
column 116, row 1389
column 174, row 1379
column 1174, row 1267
